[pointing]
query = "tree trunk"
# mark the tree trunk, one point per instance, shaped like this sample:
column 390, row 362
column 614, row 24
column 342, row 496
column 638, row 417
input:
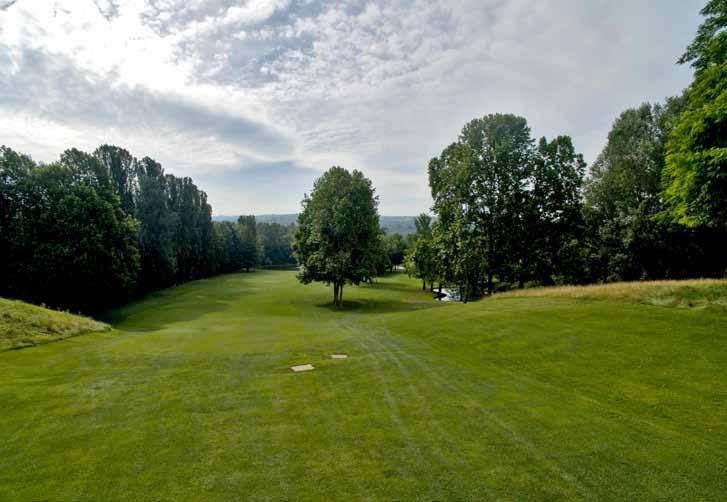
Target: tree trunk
column 424, row 284
column 335, row 294
column 340, row 295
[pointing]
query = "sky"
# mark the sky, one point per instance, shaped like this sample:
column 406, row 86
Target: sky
column 254, row 99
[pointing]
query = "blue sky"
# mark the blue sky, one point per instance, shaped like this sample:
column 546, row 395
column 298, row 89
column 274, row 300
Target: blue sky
column 255, row 98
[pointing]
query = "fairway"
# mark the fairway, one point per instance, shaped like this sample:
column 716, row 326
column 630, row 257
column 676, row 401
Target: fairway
column 191, row 397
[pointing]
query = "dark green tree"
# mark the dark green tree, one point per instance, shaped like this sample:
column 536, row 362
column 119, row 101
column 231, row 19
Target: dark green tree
column 277, row 241
column 121, row 166
column 74, row 247
column 337, row 240
column 395, row 247
column 248, row 236
column 157, row 226
column 626, row 240
column 552, row 219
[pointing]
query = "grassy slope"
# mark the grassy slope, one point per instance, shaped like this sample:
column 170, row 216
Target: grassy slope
column 695, row 293
column 541, row 398
column 23, row 325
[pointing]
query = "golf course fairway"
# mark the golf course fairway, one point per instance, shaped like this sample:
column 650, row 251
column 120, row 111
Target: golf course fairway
column 191, row 397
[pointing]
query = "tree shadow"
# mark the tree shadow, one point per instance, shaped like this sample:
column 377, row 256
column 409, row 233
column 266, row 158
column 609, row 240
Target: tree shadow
column 159, row 309
column 394, row 286
column 374, row 306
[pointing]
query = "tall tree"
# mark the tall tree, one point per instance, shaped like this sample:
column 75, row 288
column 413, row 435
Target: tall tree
column 248, row 237
column 75, row 246
column 157, row 224
column 478, row 185
column 419, row 259
column 623, row 196
column 552, row 219
column 121, row 166
column 696, row 162
column 337, row 240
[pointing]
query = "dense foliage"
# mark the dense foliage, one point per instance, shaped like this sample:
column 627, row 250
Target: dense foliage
column 91, row 230
column 338, row 236
column 654, row 204
column 508, row 210
column 276, row 244
column 696, row 161
column 513, row 213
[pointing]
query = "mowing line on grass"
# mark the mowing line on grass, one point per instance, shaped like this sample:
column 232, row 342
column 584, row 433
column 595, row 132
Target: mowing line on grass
column 394, row 412
column 507, row 429
column 440, row 431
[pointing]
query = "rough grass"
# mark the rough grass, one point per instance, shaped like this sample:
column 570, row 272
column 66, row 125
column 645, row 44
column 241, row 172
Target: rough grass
column 191, row 398
column 693, row 293
column 24, row 325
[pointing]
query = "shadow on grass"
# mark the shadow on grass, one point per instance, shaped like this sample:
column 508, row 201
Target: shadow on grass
column 373, row 306
column 395, row 286
column 156, row 319
column 160, row 309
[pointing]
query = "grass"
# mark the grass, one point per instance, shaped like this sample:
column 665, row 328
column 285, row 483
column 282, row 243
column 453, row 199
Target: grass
column 694, row 293
column 190, row 397
column 25, row 325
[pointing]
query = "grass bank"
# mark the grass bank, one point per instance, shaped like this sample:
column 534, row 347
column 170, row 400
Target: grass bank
column 693, row 293
column 24, row 325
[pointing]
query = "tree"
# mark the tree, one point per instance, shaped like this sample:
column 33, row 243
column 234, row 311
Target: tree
column 695, row 173
column 248, row 237
column 73, row 246
column 121, row 166
column 626, row 239
column 419, row 259
column 277, row 243
column 157, row 224
column 395, row 247
column 423, row 224
column 478, row 186
column 337, row 240
column 15, row 169
column 552, row 219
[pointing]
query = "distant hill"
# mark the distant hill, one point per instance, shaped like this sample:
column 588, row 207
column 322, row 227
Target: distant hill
column 403, row 225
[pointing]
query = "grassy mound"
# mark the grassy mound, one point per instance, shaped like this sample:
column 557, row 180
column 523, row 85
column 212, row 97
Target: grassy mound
column 24, row 325
column 693, row 293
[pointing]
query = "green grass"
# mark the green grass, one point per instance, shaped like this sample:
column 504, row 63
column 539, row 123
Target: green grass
column 542, row 398
column 693, row 293
column 25, row 325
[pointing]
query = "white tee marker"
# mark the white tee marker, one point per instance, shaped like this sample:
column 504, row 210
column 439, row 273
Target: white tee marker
column 302, row 367
column 339, row 356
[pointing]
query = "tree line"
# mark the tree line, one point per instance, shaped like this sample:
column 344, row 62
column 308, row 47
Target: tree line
column 513, row 212
column 92, row 230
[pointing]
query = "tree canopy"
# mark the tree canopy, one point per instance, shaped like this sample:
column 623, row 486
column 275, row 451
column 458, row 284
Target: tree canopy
column 92, row 230
column 696, row 158
column 337, row 240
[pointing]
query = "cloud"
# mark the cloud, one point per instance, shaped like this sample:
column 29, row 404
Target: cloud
column 215, row 87
column 83, row 100
column 107, row 8
column 261, row 185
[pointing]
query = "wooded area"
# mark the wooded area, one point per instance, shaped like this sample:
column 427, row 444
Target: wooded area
column 93, row 230
column 513, row 212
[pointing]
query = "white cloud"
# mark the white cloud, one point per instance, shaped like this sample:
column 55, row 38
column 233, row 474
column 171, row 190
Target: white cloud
column 376, row 85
